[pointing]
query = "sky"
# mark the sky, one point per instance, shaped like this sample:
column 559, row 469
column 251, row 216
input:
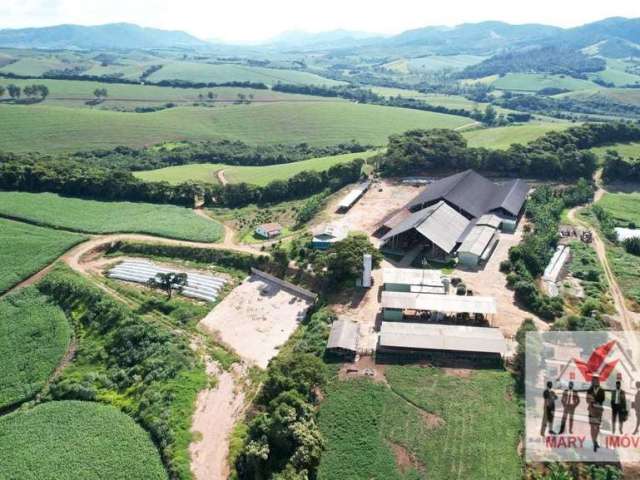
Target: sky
column 247, row 21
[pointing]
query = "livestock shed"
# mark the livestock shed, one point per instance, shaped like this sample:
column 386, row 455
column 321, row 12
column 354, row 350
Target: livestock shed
column 396, row 305
column 450, row 210
column 414, row 341
column 353, row 196
column 343, row 338
column 413, row 279
column 438, row 227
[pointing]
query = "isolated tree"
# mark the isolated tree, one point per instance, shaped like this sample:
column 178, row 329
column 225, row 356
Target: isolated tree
column 101, row 93
column 490, row 115
column 168, row 282
column 43, row 90
column 211, row 96
column 242, row 98
column 14, row 91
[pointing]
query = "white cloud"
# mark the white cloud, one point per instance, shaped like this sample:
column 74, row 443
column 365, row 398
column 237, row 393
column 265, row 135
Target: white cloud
column 250, row 20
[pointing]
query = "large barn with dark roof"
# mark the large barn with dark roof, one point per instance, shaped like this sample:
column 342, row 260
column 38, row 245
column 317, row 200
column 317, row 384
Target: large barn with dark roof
column 457, row 215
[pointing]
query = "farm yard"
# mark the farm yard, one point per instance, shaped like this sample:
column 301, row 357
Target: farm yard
column 34, row 336
column 317, row 123
column 256, row 318
column 208, row 172
column 28, row 248
column 93, row 216
column 157, row 341
column 68, row 440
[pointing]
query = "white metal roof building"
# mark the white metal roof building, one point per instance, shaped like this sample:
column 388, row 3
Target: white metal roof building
column 438, row 303
column 353, row 196
column 478, row 245
column 413, row 337
column 411, row 276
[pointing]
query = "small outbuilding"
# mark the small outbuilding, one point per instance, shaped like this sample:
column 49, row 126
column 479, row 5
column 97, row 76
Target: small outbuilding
column 343, row 339
column 328, row 235
column 478, row 245
column 269, row 230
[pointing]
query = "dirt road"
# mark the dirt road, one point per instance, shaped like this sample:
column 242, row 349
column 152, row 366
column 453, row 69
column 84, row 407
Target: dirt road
column 628, row 319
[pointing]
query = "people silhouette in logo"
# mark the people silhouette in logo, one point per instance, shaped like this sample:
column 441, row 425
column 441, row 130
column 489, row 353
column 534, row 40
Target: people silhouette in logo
column 595, row 399
column 570, row 400
column 549, row 397
column 619, row 410
column 636, row 407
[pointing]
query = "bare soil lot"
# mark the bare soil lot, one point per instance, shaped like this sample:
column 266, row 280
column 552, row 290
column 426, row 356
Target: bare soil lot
column 256, row 318
column 372, row 208
column 490, row 281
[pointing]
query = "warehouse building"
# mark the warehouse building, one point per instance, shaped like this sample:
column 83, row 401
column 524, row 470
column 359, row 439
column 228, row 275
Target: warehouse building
column 399, row 341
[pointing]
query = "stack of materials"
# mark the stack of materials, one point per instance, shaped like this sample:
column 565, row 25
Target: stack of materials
column 202, row 286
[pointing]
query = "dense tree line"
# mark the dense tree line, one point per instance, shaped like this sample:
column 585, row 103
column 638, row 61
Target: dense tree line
column 124, row 358
column 228, row 152
column 558, row 154
column 116, row 79
column 418, row 150
column 283, row 439
column 31, row 92
column 555, row 60
column 562, row 107
column 619, row 168
column 73, row 177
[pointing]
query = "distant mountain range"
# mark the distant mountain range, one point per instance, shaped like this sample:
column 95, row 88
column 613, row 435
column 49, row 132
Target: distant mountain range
column 615, row 35
column 323, row 40
column 113, row 35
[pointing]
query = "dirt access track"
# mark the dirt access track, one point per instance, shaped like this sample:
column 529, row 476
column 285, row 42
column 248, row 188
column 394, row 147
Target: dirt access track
column 256, row 318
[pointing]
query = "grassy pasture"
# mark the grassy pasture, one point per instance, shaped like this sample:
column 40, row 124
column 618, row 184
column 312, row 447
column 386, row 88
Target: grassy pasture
column 75, row 93
column 503, row 137
column 34, row 335
column 54, row 129
column 532, row 82
column 71, row 440
column 92, row 216
column 471, row 429
column 629, row 150
column 625, row 208
column 25, row 249
column 34, row 66
column 220, row 73
column 206, row 172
